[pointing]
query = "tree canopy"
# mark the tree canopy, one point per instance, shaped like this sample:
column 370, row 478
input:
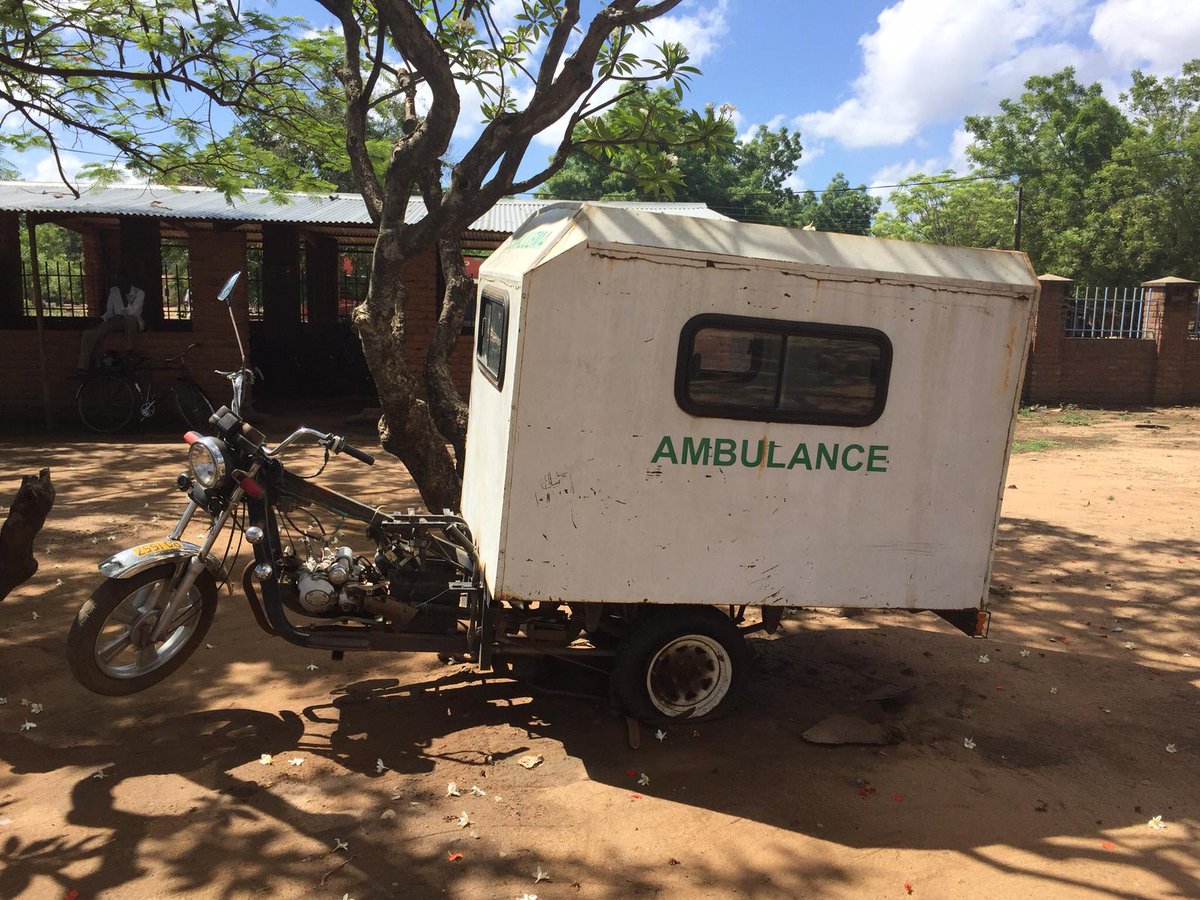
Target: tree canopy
column 148, row 77
column 745, row 180
column 943, row 209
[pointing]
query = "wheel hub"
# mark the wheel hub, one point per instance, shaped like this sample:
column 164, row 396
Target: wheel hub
column 689, row 676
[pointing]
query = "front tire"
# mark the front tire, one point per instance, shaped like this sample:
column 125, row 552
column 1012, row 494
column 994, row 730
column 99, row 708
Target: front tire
column 681, row 664
column 109, row 648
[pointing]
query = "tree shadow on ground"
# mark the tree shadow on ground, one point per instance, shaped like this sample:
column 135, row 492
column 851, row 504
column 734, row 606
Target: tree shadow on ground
column 1031, row 784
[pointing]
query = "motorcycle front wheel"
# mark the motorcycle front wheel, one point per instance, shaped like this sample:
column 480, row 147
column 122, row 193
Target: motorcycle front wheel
column 109, row 648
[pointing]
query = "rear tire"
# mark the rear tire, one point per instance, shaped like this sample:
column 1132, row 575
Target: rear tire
column 681, row 664
column 105, row 647
column 107, row 403
column 193, row 405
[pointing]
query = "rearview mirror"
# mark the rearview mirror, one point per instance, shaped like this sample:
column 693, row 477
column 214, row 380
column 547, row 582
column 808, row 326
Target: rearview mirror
column 227, row 288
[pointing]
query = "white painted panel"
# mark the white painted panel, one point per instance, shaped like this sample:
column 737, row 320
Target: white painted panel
column 591, row 518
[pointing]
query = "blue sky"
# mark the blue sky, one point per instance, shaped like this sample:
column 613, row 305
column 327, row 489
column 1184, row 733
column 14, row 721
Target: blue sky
column 878, row 90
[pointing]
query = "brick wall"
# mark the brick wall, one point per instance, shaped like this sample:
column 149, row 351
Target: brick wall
column 1162, row 370
column 212, row 256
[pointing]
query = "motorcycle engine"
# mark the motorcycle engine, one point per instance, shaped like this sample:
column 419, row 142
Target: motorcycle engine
column 320, row 583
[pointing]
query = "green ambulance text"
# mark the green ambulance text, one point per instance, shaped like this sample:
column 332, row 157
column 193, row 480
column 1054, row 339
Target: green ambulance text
column 689, row 451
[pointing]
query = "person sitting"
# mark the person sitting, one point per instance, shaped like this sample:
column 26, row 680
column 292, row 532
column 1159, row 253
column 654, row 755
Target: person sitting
column 122, row 315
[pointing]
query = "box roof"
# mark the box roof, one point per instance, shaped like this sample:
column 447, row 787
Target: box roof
column 643, row 233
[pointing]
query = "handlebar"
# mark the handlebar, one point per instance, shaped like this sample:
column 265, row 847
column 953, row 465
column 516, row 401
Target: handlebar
column 333, row 442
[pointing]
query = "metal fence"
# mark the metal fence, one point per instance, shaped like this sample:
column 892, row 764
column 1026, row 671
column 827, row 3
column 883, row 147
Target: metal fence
column 354, row 276
column 63, row 294
column 176, row 281
column 1107, row 312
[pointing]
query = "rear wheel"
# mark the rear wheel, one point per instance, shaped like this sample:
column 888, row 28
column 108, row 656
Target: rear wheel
column 681, row 664
column 107, row 403
column 193, row 405
column 109, row 647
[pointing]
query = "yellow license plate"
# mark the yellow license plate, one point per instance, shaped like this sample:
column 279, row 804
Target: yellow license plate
column 157, row 546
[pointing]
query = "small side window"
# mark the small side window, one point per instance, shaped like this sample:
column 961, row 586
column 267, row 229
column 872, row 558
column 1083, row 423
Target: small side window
column 735, row 367
column 492, row 341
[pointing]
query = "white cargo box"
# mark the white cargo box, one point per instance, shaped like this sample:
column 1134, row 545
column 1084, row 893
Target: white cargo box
column 676, row 410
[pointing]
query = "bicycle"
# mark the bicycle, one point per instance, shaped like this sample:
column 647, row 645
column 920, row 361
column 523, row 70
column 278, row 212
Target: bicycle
column 109, row 400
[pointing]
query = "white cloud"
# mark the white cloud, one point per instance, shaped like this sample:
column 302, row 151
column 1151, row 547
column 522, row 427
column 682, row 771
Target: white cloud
column 897, row 172
column 1157, row 35
column 931, row 60
column 45, row 168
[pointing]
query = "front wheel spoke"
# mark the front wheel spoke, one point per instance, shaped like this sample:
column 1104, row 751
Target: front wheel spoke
column 109, row 651
column 147, row 655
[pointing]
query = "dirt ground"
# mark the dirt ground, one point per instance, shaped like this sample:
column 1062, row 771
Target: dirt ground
column 1029, row 763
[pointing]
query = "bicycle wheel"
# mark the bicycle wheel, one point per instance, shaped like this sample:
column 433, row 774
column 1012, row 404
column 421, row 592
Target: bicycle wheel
column 106, row 403
column 192, row 404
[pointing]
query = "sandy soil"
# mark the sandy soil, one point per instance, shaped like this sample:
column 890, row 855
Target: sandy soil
column 1096, row 576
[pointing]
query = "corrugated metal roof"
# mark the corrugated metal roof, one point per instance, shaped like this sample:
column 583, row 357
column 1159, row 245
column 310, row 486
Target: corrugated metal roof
column 200, row 203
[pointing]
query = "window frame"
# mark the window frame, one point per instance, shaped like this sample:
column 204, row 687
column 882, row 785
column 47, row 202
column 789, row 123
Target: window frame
column 491, row 296
column 786, row 329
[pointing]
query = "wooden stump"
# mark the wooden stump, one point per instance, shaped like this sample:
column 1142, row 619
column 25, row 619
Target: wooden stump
column 25, row 519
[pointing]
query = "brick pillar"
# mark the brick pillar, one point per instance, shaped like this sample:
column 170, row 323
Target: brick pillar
column 213, row 257
column 101, row 262
column 11, row 289
column 321, row 270
column 1049, row 328
column 1168, row 312
column 141, row 258
column 280, row 280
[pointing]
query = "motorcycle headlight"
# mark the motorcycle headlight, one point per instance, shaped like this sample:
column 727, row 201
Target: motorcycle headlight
column 206, row 459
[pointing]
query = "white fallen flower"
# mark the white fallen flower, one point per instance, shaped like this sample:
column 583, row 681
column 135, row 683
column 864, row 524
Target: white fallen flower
column 1171, row 748
column 1157, row 823
column 100, row 774
column 452, row 790
column 24, row 701
column 984, row 658
column 209, row 647
column 527, row 896
column 395, row 795
column 339, row 844
column 380, row 768
column 312, row 667
column 58, row 582
column 3, row 701
column 35, row 708
column 296, row 761
column 265, row 759
column 464, row 819
column 477, row 791
column 661, row 735
column 36, row 617
column 644, row 780
column 968, row 743
column 1024, row 652
column 388, row 814
column 1054, row 690
column 540, row 875
column 28, row 726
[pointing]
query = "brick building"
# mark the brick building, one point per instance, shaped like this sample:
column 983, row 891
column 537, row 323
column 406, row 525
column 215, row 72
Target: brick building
column 306, row 259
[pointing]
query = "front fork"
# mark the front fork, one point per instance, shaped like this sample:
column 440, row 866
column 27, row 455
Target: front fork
column 183, row 585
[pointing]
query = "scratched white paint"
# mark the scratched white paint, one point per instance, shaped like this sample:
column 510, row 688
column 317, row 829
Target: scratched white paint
column 560, row 491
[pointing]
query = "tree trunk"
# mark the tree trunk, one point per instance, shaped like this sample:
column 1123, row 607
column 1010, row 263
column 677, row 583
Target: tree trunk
column 406, row 428
column 25, row 519
column 449, row 409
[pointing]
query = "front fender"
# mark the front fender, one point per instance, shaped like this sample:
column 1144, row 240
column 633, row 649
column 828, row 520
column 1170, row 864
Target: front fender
column 132, row 560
